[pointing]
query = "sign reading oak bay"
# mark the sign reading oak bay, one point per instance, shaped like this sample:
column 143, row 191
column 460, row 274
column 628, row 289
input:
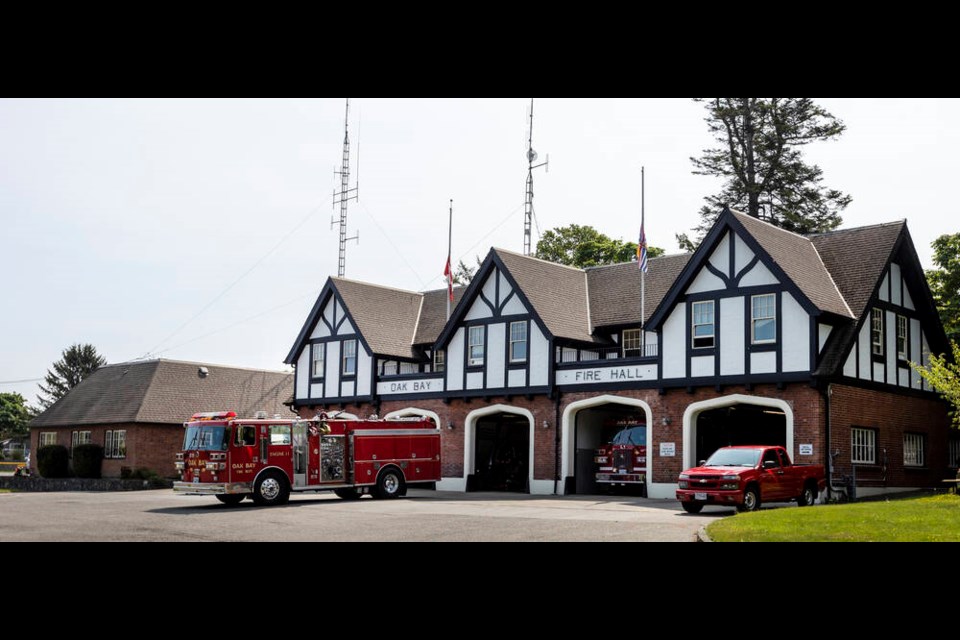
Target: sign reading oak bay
column 428, row 385
column 608, row 374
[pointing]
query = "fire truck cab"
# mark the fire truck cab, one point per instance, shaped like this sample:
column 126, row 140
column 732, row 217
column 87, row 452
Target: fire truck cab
column 267, row 459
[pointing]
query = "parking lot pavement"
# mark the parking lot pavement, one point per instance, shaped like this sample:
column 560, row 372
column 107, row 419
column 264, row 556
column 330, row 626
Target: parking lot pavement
column 422, row 516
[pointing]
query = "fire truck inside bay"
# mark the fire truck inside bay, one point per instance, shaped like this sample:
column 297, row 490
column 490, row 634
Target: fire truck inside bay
column 622, row 462
column 267, row 459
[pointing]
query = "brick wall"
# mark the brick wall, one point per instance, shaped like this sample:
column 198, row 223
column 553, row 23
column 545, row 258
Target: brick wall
column 891, row 416
column 149, row 446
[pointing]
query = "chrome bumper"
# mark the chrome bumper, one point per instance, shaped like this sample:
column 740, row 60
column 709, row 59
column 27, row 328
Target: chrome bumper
column 211, row 489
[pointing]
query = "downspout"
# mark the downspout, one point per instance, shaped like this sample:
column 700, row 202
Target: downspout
column 826, row 450
column 557, row 427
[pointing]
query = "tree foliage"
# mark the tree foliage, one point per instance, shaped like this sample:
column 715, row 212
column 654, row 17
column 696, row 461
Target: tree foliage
column 944, row 376
column 14, row 415
column 76, row 363
column 463, row 274
column 584, row 246
column 945, row 283
column 759, row 155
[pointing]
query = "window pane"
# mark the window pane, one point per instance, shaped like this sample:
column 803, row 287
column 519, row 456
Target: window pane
column 318, row 360
column 765, row 330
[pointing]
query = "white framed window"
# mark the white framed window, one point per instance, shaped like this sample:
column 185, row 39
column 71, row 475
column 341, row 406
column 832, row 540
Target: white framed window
column 48, row 439
column 476, row 347
column 439, row 361
column 913, row 449
column 115, row 445
column 318, row 364
column 518, row 342
column 901, row 337
column 79, row 437
column 876, row 332
column 764, row 319
column 953, row 461
column 349, row 357
column 863, row 446
column 632, row 343
column 408, row 368
column 704, row 335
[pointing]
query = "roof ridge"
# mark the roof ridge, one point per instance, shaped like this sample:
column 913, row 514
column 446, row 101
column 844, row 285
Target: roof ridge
column 191, row 362
column 377, row 286
column 769, row 224
column 634, row 262
column 147, row 393
column 416, row 325
column 520, row 255
column 821, row 234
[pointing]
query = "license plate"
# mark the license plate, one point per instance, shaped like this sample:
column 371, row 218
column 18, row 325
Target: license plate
column 196, row 479
column 700, row 496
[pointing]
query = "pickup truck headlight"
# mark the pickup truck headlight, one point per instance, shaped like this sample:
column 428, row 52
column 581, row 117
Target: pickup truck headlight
column 731, row 478
column 684, row 484
column 684, row 476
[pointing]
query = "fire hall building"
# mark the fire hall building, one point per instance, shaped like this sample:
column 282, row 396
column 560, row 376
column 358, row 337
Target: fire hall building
column 761, row 336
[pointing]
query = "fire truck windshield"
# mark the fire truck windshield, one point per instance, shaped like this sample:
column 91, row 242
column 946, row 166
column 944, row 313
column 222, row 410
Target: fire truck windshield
column 206, row 439
column 635, row 436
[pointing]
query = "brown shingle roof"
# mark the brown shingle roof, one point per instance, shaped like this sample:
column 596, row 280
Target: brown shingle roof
column 557, row 293
column 856, row 258
column 433, row 315
column 800, row 261
column 386, row 318
column 615, row 290
column 167, row 392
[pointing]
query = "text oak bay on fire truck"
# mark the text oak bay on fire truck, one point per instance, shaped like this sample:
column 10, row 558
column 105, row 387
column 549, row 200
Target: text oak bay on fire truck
column 267, row 459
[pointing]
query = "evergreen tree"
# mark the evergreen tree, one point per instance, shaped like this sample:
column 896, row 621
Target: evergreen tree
column 78, row 362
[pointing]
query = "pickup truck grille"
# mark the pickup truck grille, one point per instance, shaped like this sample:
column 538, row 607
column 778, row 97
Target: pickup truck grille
column 623, row 459
column 704, row 482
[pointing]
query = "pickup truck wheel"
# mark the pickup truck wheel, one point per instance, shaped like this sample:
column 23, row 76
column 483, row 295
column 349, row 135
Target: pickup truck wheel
column 692, row 507
column 231, row 500
column 751, row 500
column 808, row 497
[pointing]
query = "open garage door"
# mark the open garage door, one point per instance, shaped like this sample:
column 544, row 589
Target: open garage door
column 740, row 424
column 502, row 454
column 621, row 432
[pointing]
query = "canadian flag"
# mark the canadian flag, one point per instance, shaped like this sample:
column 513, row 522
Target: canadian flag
column 448, row 272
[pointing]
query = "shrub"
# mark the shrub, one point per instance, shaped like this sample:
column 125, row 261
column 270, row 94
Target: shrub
column 87, row 460
column 53, row 461
column 152, row 478
column 17, row 456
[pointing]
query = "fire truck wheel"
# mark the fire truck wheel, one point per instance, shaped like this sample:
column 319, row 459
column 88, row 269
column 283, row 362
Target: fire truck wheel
column 232, row 500
column 347, row 494
column 271, row 489
column 390, row 485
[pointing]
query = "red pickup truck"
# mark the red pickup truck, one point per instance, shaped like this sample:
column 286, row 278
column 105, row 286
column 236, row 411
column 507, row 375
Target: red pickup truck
column 746, row 476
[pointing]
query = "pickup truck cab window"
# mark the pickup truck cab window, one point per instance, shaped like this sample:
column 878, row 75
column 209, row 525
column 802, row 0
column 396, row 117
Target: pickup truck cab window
column 770, row 455
column 785, row 459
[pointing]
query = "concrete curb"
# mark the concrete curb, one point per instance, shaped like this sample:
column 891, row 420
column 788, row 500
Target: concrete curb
column 702, row 535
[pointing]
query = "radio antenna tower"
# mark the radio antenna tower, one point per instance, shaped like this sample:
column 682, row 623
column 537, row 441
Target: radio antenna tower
column 345, row 195
column 531, row 159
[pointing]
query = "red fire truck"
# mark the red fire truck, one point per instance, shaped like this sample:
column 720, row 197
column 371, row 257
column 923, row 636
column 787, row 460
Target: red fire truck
column 623, row 461
column 267, row 459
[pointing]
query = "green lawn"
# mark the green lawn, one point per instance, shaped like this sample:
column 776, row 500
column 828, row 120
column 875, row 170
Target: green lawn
column 931, row 519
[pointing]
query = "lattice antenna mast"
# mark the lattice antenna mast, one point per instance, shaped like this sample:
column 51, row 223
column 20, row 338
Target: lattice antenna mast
column 344, row 196
column 531, row 159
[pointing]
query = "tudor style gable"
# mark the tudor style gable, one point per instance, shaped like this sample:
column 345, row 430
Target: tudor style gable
column 745, row 307
column 497, row 342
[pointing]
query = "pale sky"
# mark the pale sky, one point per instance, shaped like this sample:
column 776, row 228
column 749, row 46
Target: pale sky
column 123, row 219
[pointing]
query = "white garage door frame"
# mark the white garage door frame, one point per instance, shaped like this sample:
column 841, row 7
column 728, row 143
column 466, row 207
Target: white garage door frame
column 537, row 487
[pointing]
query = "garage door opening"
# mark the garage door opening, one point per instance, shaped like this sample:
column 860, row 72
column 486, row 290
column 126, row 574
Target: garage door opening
column 621, row 433
column 502, row 454
column 740, row 424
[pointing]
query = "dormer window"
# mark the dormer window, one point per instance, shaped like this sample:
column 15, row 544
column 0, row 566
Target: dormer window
column 632, row 343
column 439, row 361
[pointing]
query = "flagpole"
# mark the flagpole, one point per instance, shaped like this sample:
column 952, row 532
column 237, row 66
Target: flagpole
column 643, row 272
column 450, row 256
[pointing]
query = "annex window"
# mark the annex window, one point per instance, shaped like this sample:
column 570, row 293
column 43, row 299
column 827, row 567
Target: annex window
column 518, row 342
column 902, row 337
column 48, row 439
column 632, row 344
column 350, row 357
column 80, row 437
column 318, row 350
column 764, row 319
column 439, row 361
column 876, row 332
column 863, row 446
column 913, row 449
column 115, row 445
column 476, row 351
column 703, row 327
column 953, row 461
